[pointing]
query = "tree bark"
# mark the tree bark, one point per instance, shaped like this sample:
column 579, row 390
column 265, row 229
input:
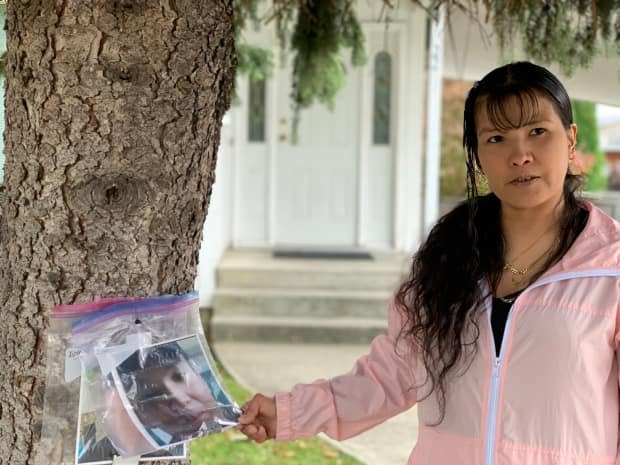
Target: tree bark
column 113, row 116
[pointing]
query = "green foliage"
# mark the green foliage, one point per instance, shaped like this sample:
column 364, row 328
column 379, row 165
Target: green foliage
column 255, row 62
column 232, row 448
column 315, row 31
column 244, row 11
column 323, row 26
column 584, row 115
column 597, row 180
column 568, row 32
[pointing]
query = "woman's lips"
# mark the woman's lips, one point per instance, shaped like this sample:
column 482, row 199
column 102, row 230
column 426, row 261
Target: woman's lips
column 524, row 180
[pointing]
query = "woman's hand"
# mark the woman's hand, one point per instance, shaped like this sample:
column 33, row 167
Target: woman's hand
column 259, row 418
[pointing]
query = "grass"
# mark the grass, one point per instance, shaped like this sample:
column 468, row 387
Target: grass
column 233, row 448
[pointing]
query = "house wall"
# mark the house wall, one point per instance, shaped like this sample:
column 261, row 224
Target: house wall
column 410, row 155
column 384, row 221
column 240, row 209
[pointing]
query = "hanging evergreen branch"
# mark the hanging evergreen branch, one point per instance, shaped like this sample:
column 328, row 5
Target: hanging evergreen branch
column 256, row 62
column 284, row 14
column 315, row 31
column 567, row 32
column 322, row 28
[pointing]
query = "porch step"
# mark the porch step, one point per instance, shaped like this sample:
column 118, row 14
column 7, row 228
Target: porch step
column 260, row 270
column 311, row 303
column 309, row 278
column 296, row 330
column 262, row 298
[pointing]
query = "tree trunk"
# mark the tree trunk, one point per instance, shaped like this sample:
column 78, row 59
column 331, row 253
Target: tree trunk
column 114, row 111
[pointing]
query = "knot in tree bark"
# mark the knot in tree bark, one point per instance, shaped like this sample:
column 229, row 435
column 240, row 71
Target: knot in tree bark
column 129, row 6
column 112, row 193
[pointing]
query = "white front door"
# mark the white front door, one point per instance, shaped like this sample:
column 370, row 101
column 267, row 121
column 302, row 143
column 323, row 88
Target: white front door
column 316, row 180
column 353, row 179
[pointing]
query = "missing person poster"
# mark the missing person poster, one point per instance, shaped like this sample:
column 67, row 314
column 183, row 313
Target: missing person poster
column 164, row 394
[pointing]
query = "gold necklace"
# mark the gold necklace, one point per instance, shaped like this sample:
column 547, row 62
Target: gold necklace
column 518, row 275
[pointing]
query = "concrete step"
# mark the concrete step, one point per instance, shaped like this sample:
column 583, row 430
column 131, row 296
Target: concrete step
column 295, row 330
column 261, row 270
column 301, row 303
column 262, row 298
column 309, row 278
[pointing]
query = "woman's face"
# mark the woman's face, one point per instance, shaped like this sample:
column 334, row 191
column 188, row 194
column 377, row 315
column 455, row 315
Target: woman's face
column 525, row 166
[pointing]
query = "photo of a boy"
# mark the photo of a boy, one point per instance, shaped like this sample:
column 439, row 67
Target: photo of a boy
column 172, row 393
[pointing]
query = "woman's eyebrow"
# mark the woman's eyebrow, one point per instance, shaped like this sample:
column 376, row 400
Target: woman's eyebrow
column 487, row 129
column 536, row 120
column 533, row 121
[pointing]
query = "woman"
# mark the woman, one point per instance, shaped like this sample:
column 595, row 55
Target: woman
column 506, row 332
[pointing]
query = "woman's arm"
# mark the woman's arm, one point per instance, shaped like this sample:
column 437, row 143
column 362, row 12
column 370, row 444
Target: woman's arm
column 380, row 385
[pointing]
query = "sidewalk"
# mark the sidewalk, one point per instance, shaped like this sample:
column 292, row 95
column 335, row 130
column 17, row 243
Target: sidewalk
column 269, row 367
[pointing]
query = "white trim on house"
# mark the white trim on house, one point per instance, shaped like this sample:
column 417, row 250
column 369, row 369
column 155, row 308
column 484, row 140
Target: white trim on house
column 409, row 187
column 272, row 131
column 238, row 134
column 365, row 126
column 433, row 121
column 217, row 229
column 253, row 162
column 377, row 226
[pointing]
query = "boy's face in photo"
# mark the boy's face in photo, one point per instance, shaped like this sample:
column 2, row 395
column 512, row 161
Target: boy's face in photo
column 176, row 398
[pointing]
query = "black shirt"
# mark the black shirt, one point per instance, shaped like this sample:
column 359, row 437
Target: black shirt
column 499, row 317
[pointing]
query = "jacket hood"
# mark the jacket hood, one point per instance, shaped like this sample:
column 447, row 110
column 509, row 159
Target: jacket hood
column 596, row 248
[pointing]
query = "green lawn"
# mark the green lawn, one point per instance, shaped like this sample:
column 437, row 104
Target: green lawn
column 232, row 447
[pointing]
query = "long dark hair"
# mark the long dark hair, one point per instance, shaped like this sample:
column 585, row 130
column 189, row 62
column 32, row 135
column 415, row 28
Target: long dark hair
column 443, row 295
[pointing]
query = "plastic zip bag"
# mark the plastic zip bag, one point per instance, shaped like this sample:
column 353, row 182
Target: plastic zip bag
column 129, row 376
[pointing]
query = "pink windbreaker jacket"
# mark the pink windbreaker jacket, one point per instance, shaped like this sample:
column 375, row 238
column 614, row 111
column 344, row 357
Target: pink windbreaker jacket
column 551, row 397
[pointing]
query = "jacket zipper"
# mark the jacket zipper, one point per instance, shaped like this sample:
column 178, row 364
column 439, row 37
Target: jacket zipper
column 497, row 362
column 494, row 391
